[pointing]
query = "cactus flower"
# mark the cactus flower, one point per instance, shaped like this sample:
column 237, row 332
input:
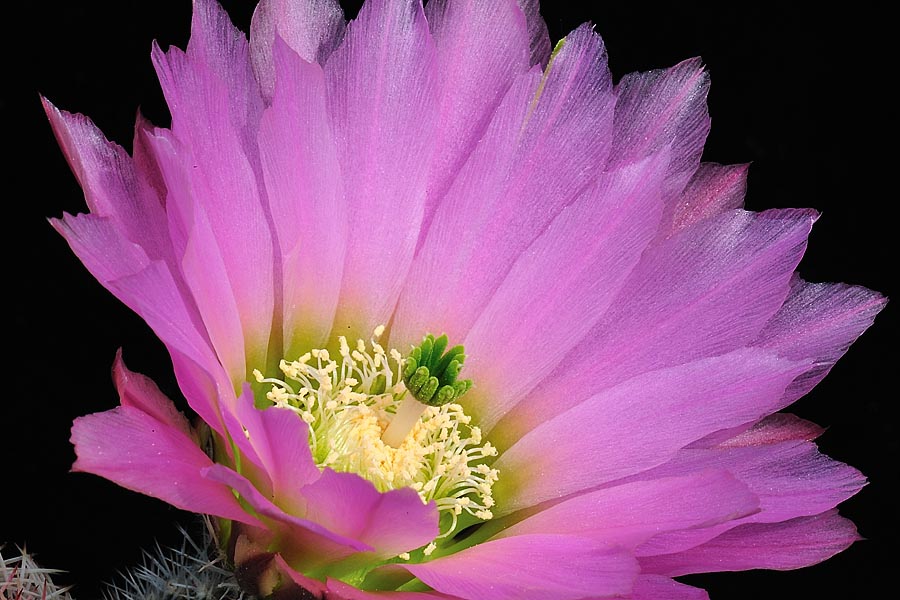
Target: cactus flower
column 458, row 317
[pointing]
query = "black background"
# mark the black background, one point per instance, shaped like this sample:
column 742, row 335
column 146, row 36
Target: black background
column 800, row 94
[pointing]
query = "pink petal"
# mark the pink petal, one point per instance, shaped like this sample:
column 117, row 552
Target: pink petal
column 206, row 272
column 150, row 290
column 608, row 436
column 307, row 584
column 545, row 144
column 819, row 321
column 303, row 183
column 599, row 239
column 200, row 261
column 789, row 545
column 150, row 178
column 138, row 452
column 280, row 442
column 780, row 427
column 712, row 190
column 99, row 244
column 655, row 587
column 155, row 295
column 629, row 514
column 311, row 28
column 733, row 272
column 537, row 32
column 531, row 567
column 791, row 479
column 111, row 186
column 304, row 544
column 391, row 522
column 205, row 388
column 481, row 48
column 663, row 108
column 222, row 205
column 381, row 91
column 140, row 392
column 220, row 48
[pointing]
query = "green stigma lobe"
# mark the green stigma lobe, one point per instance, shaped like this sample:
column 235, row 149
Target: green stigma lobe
column 431, row 374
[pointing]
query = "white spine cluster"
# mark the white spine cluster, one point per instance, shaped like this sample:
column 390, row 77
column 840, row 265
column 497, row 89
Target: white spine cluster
column 23, row 579
column 193, row 571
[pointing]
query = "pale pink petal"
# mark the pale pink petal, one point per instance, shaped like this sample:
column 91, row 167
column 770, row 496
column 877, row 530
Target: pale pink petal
column 547, row 141
column 531, row 567
column 656, row 587
column 791, row 479
column 789, row 545
column 111, row 186
column 391, row 522
column 381, row 90
column 630, row 514
column 819, row 321
column 712, row 190
column 311, row 28
column 99, row 244
column 138, row 452
column 304, row 544
column 303, row 183
column 733, row 274
column 481, row 48
column 526, row 329
column 222, row 204
column 142, row 393
column 604, row 438
column 220, row 48
column 663, row 108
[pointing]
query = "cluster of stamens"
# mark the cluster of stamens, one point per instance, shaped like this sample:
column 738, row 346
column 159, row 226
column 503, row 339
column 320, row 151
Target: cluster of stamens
column 349, row 402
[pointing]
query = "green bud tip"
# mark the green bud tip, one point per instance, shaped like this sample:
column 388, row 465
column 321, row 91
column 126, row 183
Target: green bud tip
column 431, row 373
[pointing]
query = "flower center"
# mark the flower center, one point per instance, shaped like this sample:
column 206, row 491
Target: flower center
column 351, row 402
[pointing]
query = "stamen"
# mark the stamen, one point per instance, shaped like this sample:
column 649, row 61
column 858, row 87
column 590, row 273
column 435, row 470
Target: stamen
column 350, row 403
